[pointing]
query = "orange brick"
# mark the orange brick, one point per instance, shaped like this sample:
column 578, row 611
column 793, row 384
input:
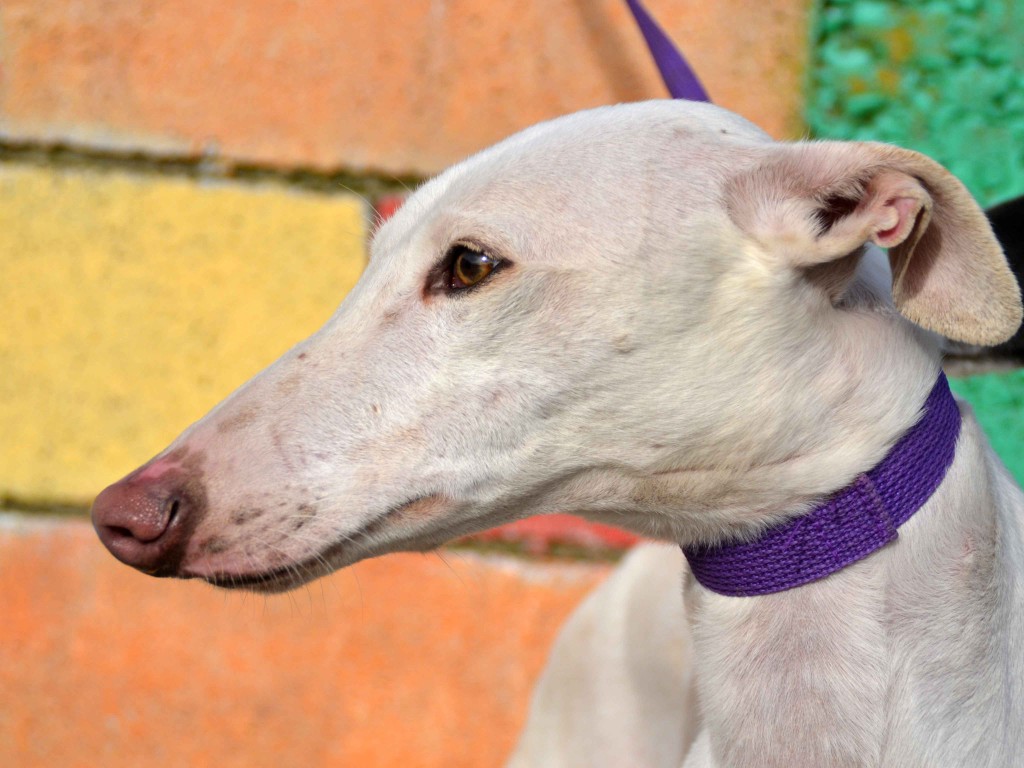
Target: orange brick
column 400, row 661
column 395, row 85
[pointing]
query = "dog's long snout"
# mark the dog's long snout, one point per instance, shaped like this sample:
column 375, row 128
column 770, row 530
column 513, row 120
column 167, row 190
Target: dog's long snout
column 146, row 522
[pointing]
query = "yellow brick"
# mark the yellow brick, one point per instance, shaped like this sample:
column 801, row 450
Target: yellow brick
column 131, row 304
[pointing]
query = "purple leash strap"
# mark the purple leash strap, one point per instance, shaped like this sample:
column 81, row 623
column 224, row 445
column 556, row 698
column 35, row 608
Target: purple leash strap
column 680, row 80
column 847, row 526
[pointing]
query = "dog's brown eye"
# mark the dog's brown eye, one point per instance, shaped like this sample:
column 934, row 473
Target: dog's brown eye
column 469, row 267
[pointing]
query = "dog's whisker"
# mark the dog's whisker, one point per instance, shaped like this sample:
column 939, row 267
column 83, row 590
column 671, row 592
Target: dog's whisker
column 443, row 559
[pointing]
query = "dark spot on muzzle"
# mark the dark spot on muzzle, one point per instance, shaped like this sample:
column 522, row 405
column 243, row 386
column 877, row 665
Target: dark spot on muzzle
column 214, row 545
column 306, row 512
column 242, row 516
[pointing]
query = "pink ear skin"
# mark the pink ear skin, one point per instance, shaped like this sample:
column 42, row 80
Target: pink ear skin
column 896, row 210
column 813, row 206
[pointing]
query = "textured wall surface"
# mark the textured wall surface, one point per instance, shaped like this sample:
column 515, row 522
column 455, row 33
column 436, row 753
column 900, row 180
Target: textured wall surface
column 945, row 77
column 402, row 86
column 403, row 662
column 998, row 401
column 133, row 303
column 137, row 292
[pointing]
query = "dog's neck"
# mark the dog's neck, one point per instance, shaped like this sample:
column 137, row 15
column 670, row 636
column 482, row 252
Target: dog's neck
column 847, row 526
column 848, row 670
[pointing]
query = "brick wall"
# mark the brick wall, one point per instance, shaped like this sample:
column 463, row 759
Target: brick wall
column 185, row 191
column 397, row 86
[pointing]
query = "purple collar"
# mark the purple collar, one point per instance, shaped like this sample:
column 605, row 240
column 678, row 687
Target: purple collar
column 847, row 526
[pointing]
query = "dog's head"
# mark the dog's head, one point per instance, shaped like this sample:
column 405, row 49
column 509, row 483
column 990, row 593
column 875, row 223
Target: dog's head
column 649, row 314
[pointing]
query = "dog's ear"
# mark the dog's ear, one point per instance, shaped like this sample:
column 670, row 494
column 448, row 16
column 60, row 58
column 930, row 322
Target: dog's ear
column 814, row 205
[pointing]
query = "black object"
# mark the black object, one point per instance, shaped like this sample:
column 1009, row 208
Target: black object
column 1007, row 220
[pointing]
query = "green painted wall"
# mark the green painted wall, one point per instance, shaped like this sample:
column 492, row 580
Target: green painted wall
column 945, row 77
column 998, row 401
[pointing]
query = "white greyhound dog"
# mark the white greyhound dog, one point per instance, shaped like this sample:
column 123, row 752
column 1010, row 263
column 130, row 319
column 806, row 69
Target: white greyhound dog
column 654, row 315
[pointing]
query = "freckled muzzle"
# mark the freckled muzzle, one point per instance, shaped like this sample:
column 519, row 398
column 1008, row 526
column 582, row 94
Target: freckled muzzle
column 147, row 519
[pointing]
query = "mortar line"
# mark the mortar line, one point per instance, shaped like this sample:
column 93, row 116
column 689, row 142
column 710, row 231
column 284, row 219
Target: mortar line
column 11, row 503
column 371, row 184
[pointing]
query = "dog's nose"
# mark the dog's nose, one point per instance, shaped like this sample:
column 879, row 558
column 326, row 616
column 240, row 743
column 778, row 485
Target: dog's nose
column 146, row 523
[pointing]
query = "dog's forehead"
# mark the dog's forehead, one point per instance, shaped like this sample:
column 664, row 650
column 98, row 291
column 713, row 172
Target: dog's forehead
column 580, row 161
column 570, row 150
column 624, row 130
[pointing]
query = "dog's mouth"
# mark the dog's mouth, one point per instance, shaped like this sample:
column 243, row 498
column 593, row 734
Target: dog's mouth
column 277, row 580
column 294, row 574
column 350, row 549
